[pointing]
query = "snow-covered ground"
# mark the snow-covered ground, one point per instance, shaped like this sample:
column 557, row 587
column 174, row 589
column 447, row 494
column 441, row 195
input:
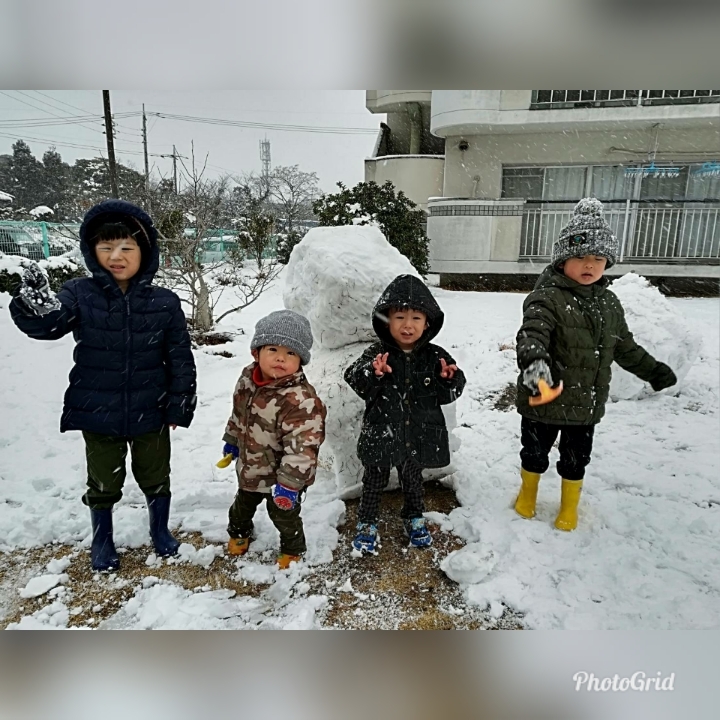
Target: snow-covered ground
column 646, row 553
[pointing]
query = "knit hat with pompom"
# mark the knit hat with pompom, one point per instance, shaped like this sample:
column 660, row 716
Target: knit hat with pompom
column 587, row 233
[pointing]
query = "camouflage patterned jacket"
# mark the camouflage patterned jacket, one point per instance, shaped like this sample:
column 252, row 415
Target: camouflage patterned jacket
column 278, row 428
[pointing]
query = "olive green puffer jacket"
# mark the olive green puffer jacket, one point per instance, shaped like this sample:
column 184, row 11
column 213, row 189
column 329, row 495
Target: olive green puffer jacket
column 579, row 330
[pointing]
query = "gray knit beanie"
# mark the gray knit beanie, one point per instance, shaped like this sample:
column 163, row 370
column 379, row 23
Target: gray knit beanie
column 587, row 233
column 287, row 328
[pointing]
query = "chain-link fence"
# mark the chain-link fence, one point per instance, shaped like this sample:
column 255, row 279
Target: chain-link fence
column 39, row 240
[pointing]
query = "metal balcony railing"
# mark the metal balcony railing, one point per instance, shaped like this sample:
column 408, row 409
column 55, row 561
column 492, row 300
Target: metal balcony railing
column 684, row 232
column 566, row 99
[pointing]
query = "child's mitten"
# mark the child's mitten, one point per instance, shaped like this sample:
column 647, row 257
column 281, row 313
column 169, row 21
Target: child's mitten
column 35, row 292
column 537, row 370
column 230, row 449
column 663, row 377
column 284, row 497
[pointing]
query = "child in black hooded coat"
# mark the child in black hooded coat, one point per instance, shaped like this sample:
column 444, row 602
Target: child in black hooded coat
column 404, row 379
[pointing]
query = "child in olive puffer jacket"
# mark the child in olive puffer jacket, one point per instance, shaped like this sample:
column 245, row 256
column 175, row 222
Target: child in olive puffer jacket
column 573, row 329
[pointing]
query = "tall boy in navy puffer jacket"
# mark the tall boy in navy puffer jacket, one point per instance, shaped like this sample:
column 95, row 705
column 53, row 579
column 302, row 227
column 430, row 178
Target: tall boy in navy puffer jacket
column 134, row 373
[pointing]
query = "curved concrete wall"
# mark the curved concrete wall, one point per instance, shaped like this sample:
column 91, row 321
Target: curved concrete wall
column 381, row 101
column 418, row 176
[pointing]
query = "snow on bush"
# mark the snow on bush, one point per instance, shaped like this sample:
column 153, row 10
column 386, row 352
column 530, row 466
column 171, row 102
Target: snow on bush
column 334, row 278
column 659, row 328
column 41, row 210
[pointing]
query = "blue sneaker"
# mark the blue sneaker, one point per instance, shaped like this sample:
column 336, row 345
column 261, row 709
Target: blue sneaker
column 366, row 539
column 417, row 531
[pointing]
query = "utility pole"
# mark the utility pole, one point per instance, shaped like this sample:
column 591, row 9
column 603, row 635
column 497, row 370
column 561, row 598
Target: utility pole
column 175, row 185
column 147, row 168
column 110, row 144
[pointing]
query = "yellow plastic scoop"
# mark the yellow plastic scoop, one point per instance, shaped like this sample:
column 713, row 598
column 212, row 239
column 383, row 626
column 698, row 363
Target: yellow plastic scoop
column 227, row 459
column 547, row 394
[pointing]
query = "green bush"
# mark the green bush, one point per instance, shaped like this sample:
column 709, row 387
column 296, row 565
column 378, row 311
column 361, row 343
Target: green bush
column 399, row 218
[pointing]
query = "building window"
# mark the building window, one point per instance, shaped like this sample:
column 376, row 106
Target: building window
column 564, row 99
column 523, row 183
column 614, row 183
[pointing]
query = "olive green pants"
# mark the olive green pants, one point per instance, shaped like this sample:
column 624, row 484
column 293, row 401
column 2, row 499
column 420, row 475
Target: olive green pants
column 288, row 522
column 106, row 455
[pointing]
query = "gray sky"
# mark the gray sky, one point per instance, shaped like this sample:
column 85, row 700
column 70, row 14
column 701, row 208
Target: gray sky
column 334, row 157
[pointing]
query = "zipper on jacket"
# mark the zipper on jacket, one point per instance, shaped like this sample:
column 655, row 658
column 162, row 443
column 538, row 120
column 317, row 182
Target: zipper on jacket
column 127, row 366
column 597, row 350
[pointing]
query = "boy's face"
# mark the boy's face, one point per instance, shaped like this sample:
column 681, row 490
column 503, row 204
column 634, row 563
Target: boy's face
column 121, row 258
column 406, row 326
column 585, row 270
column 276, row 361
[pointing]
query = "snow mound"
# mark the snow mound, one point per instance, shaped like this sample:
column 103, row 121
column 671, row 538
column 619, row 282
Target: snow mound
column 659, row 328
column 41, row 584
column 203, row 557
column 470, row 564
column 334, row 278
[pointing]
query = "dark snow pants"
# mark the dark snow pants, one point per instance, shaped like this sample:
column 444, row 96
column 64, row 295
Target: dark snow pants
column 375, row 480
column 575, row 446
column 106, row 455
column 288, row 522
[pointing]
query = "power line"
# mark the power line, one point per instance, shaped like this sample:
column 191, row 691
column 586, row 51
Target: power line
column 79, row 146
column 76, row 107
column 43, row 109
column 268, row 126
column 74, row 116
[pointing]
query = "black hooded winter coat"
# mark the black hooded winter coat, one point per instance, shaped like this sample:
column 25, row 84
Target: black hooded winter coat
column 134, row 369
column 403, row 418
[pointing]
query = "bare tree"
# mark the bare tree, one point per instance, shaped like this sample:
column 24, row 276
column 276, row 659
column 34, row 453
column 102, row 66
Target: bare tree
column 293, row 192
column 191, row 220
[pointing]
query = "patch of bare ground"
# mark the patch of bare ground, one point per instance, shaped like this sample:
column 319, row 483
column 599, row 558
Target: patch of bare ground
column 400, row 588
column 92, row 597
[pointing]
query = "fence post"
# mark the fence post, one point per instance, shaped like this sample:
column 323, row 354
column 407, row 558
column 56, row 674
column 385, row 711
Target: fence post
column 46, row 245
column 625, row 230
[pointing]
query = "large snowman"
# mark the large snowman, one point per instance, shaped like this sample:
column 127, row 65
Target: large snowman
column 334, row 278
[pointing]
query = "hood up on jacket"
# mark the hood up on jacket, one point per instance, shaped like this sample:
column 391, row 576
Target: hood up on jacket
column 407, row 291
column 134, row 217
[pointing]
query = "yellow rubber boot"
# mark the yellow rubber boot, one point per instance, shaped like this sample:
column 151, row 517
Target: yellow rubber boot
column 238, row 546
column 567, row 518
column 525, row 503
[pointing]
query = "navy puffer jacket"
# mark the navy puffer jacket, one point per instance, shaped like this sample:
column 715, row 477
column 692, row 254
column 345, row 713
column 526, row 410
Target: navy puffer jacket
column 134, row 369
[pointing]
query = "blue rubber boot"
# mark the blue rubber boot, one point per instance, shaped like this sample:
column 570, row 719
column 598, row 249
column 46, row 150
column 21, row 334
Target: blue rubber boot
column 366, row 539
column 102, row 550
column 165, row 544
column 417, row 531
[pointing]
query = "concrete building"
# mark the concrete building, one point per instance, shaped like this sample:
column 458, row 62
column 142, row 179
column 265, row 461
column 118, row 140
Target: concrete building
column 499, row 171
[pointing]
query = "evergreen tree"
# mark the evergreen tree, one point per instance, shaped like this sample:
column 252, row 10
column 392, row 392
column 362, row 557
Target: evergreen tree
column 398, row 217
column 91, row 184
column 56, row 181
column 26, row 175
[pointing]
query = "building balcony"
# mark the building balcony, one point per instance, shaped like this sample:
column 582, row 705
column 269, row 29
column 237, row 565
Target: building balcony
column 480, row 112
column 388, row 101
column 647, row 232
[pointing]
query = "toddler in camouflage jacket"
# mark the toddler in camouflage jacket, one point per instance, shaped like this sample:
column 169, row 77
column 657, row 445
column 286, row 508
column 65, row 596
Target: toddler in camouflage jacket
column 274, row 432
